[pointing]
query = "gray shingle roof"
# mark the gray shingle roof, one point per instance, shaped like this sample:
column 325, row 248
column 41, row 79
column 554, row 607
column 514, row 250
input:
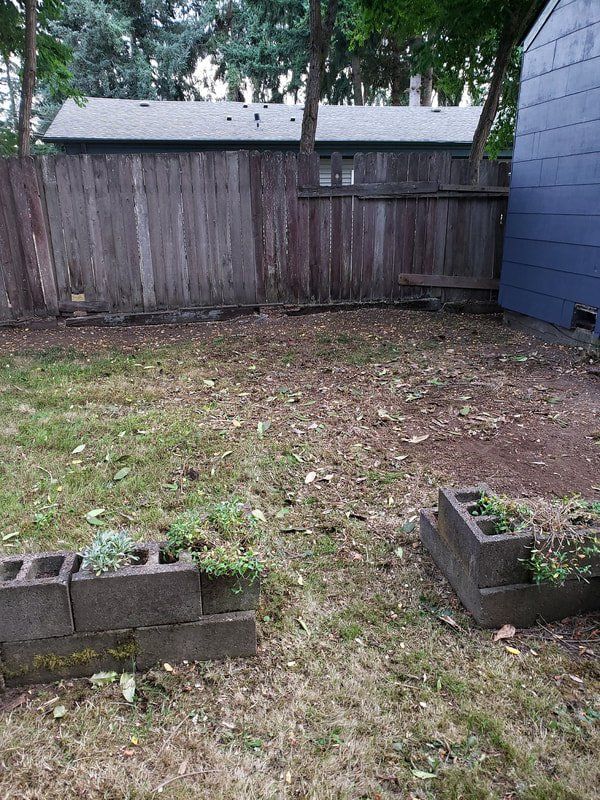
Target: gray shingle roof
column 127, row 120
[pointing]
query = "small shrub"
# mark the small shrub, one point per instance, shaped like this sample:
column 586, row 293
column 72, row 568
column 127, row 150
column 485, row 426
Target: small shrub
column 109, row 551
column 219, row 538
column 510, row 516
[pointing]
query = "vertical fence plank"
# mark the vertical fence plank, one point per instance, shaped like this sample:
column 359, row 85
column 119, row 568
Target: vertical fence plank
column 203, row 244
column 47, row 167
column 234, row 213
column 140, row 202
column 256, row 213
column 357, row 230
column 23, row 230
column 100, row 278
column 224, row 227
column 41, row 241
column 305, row 178
column 11, row 252
column 292, row 240
column 337, row 232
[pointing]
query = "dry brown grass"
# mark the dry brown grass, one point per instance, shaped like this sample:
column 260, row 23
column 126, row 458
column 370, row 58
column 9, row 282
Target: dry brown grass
column 380, row 690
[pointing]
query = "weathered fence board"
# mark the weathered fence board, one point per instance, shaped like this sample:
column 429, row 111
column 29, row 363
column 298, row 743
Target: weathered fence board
column 126, row 234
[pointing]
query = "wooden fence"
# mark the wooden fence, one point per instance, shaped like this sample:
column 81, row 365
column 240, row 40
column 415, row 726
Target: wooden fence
column 143, row 233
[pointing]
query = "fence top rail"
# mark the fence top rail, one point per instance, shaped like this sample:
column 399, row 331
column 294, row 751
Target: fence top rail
column 416, row 189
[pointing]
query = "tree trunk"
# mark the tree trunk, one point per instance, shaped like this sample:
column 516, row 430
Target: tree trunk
column 427, row 87
column 414, row 94
column 511, row 36
column 29, row 68
column 320, row 38
column 359, row 98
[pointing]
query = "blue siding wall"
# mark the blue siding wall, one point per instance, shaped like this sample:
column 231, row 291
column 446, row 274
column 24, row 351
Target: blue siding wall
column 552, row 237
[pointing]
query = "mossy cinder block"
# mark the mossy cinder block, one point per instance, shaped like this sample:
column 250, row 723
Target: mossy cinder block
column 518, row 604
column 215, row 636
column 146, row 593
column 226, row 593
column 34, row 596
column 75, row 656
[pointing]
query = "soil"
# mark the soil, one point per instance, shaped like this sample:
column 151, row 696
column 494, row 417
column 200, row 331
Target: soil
column 513, row 411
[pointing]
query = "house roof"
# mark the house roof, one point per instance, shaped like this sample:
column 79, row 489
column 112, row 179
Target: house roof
column 103, row 119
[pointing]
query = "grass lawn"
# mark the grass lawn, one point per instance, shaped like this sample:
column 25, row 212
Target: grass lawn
column 363, row 687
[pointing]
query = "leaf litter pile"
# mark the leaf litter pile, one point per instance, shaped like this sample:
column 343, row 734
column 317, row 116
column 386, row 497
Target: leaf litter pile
column 371, row 682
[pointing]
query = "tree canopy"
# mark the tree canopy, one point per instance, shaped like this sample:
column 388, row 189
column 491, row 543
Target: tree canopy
column 153, row 49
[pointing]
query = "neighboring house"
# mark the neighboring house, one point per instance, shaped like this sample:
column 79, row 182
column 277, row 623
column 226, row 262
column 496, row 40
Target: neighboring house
column 551, row 268
column 140, row 126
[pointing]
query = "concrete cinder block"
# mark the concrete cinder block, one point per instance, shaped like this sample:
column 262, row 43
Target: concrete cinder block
column 490, row 559
column 143, row 594
column 215, row 636
column 75, row 656
column 226, row 593
column 519, row 604
column 34, row 596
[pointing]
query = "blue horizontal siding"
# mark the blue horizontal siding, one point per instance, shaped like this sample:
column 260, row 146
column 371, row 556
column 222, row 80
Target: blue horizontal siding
column 580, row 169
column 551, row 258
column 560, row 82
column 550, row 199
column 577, row 259
column 572, row 229
column 580, row 137
column 535, row 304
column 582, row 106
column 553, row 282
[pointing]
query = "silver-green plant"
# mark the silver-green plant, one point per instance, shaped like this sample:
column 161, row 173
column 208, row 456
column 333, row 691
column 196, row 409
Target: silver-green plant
column 108, row 551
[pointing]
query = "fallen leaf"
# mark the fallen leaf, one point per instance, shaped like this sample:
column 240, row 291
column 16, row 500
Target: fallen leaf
column 79, row 449
column 167, row 667
column 419, row 773
column 122, row 473
column 103, row 678
column 92, row 516
column 258, row 514
column 505, row 632
column 512, row 650
column 263, row 427
column 417, row 439
column 303, row 625
column 449, row 621
column 127, row 684
column 208, row 382
column 310, row 477
column 59, row 712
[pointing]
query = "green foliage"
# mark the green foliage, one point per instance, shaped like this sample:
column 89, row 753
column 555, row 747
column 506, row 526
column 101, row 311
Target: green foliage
column 509, row 516
column 219, row 538
column 109, row 551
column 230, row 559
column 563, row 544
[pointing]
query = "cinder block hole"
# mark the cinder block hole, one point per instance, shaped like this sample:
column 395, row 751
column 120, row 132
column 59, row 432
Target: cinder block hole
column 584, row 317
column 166, row 558
column 45, row 567
column 487, row 525
column 141, row 558
column 9, row 570
column 467, row 498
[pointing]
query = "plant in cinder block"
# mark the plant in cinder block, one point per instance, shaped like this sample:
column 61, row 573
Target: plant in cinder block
column 122, row 584
column 220, row 539
column 511, row 560
column 108, row 551
column 564, row 542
